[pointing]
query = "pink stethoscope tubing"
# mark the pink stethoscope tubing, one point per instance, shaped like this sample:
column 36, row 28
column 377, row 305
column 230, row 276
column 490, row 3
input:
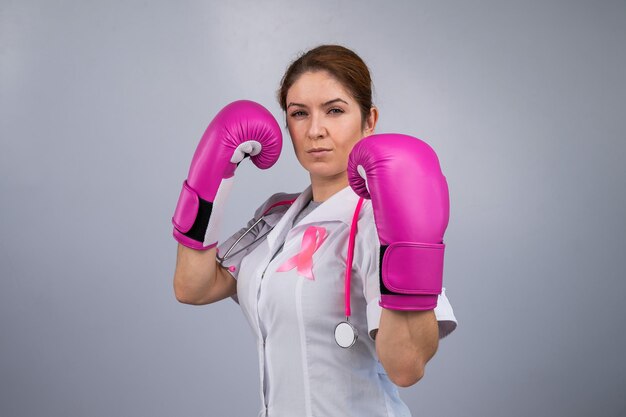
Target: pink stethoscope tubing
column 353, row 230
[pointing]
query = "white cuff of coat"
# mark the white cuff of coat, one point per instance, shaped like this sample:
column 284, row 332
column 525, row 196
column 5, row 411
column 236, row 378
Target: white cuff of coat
column 445, row 315
column 374, row 310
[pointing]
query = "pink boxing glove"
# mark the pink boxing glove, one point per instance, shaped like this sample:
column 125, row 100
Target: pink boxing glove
column 402, row 177
column 243, row 128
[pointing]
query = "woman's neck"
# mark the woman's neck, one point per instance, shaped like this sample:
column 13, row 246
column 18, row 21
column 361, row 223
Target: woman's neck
column 324, row 188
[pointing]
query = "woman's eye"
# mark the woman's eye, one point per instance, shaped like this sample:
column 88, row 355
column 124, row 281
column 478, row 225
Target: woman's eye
column 298, row 113
column 335, row 110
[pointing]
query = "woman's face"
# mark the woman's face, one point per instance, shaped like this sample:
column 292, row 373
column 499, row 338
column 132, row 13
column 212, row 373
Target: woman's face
column 324, row 123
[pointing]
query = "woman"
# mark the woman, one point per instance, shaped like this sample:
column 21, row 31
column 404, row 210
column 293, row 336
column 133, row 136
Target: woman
column 293, row 309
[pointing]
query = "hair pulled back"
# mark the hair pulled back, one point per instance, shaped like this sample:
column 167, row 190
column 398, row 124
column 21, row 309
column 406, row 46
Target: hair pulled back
column 341, row 63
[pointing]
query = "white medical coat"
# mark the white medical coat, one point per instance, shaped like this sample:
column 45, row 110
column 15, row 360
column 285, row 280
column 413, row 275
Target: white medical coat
column 303, row 372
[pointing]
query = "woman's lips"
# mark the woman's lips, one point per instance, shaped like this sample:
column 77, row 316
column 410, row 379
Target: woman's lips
column 318, row 152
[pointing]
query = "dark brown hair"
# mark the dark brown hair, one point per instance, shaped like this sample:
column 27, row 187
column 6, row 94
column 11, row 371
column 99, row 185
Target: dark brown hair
column 340, row 62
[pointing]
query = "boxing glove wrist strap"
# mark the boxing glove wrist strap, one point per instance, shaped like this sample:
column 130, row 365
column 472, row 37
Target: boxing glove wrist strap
column 197, row 221
column 412, row 268
column 411, row 274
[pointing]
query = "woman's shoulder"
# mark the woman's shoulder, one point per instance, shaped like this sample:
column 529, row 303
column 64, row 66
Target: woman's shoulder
column 367, row 234
column 366, row 215
column 276, row 203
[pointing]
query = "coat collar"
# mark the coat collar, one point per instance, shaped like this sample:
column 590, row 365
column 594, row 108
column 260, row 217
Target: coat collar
column 339, row 207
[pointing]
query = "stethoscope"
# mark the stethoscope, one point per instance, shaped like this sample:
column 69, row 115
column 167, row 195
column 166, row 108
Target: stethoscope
column 346, row 334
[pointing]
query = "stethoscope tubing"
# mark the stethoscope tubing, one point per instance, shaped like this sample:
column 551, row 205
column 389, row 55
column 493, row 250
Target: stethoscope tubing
column 348, row 275
column 280, row 203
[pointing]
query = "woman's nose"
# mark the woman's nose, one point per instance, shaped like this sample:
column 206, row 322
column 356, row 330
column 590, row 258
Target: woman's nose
column 317, row 128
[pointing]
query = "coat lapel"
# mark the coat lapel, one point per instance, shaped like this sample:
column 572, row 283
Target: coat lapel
column 284, row 224
column 339, row 207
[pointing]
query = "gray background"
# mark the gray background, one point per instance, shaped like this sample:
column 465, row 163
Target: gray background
column 103, row 103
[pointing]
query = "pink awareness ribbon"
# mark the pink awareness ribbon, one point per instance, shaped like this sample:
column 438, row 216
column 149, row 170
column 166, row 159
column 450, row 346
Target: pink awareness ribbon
column 312, row 239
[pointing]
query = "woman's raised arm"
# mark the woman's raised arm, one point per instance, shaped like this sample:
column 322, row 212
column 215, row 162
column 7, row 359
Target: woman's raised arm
column 199, row 279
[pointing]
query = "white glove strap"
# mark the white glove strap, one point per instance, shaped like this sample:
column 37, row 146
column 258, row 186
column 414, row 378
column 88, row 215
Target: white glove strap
column 217, row 212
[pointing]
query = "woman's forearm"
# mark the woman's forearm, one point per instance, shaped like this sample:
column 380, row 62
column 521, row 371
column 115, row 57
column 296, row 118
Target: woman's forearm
column 195, row 275
column 405, row 342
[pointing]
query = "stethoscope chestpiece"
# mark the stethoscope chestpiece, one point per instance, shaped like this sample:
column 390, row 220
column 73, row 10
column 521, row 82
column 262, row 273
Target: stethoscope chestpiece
column 346, row 334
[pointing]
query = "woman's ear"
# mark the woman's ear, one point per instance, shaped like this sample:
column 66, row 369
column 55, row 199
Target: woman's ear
column 370, row 121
